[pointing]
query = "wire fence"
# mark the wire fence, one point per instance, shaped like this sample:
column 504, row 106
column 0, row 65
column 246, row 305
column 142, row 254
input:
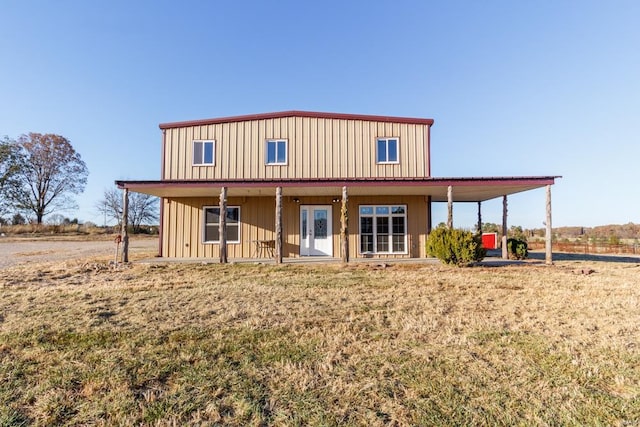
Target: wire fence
column 589, row 248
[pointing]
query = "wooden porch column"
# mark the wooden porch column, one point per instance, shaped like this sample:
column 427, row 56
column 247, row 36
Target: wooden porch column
column 222, row 225
column 124, row 227
column 479, row 226
column 450, row 207
column 278, row 247
column 505, row 252
column 548, row 232
column 429, row 219
column 344, row 226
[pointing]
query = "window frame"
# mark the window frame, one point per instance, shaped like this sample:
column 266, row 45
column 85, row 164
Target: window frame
column 390, row 229
column 202, row 154
column 266, row 152
column 205, row 223
column 386, row 144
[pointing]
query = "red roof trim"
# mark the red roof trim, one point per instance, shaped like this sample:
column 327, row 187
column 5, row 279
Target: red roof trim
column 294, row 113
column 470, row 181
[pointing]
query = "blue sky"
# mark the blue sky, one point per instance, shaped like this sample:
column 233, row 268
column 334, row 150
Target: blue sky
column 515, row 87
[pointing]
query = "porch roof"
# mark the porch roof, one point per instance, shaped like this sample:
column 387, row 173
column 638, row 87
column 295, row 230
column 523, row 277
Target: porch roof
column 465, row 189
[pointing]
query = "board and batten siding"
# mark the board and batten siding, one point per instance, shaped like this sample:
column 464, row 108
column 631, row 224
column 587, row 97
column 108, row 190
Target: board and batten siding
column 317, row 148
column 183, row 233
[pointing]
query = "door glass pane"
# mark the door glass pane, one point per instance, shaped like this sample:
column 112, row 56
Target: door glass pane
column 304, row 224
column 320, row 224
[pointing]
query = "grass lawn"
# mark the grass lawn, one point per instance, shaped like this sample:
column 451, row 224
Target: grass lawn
column 246, row 344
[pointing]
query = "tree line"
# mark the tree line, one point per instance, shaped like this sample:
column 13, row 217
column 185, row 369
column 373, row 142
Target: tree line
column 41, row 173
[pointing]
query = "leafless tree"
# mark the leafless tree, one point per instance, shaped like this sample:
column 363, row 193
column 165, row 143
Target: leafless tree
column 51, row 171
column 143, row 208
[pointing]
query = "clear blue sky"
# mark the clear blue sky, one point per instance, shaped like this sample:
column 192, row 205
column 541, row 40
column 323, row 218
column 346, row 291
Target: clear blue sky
column 515, row 87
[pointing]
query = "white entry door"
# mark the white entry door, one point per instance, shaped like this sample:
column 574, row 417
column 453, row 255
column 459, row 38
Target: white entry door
column 316, row 236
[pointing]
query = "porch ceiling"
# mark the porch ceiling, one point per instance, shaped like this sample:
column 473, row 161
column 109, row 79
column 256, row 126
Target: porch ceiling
column 464, row 189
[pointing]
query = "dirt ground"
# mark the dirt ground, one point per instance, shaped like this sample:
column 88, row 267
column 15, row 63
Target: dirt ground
column 22, row 251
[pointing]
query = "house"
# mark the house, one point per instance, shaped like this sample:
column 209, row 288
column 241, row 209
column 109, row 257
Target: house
column 299, row 183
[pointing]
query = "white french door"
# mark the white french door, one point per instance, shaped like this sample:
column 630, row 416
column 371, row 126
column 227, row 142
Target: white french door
column 316, row 236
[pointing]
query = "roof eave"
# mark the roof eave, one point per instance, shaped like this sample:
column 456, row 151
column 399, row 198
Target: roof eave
column 297, row 113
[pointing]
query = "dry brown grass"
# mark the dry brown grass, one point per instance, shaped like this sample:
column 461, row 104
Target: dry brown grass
column 246, row 344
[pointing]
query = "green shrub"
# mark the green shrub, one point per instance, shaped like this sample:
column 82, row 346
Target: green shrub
column 517, row 249
column 455, row 246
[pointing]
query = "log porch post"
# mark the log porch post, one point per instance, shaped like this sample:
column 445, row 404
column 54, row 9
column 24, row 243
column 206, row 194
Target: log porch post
column 479, row 226
column 278, row 242
column 547, row 245
column 344, row 226
column 222, row 225
column 505, row 252
column 450, row 207
column 124, row 227
column 429, row 219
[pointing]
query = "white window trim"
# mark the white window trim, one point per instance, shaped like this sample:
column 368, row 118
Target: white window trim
column 286, row 151
column 375, row 234
column 386, row 139
column 204, row 225
column 193, row 145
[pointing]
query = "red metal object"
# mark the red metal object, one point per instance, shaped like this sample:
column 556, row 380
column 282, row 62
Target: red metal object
column 490, row 240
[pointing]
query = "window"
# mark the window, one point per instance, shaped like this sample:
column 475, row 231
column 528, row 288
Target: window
column 212, row 224
column 383, row 229
column 387, row 150
column 276, row 152
column 204, row 153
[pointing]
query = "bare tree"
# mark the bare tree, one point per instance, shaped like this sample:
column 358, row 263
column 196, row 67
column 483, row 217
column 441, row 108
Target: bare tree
column 9, row 167
column 51, row 171
column 143, row 208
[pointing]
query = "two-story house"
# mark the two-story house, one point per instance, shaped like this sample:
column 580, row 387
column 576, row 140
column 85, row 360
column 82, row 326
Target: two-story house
column 291, row 181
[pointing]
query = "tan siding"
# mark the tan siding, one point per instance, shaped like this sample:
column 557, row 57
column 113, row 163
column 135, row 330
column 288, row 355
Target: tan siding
column 318, row 148
column 183, row 218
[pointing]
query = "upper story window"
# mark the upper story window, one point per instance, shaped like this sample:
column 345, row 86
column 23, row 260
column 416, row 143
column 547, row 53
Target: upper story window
column 204, row 153
column 276, row 152
column 387, row 150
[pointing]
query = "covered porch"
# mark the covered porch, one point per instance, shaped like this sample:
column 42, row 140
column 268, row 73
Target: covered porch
column 285, row 201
